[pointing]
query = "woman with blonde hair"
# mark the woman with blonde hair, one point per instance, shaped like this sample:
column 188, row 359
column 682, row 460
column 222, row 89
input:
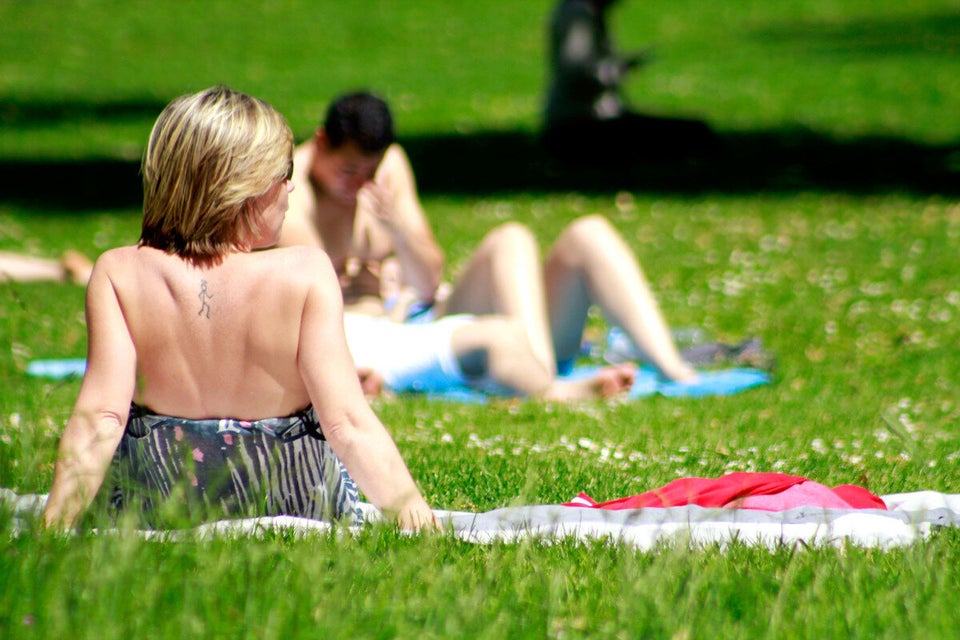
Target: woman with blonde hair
column 197, row 342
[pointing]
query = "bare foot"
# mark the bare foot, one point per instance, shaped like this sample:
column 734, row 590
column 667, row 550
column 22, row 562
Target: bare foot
column 76, row 267
column 608, row 382
column 615, row 380
column 684, row 374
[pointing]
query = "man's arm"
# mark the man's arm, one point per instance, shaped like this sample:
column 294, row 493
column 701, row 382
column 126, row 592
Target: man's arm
column 393, row 199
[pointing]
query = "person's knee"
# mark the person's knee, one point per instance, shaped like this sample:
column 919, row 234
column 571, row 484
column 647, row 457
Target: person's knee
column 591, row 225
column 586, row 231
column 511, row 236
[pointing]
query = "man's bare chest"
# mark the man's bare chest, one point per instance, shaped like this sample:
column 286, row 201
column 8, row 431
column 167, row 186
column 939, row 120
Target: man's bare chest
column 363, row 239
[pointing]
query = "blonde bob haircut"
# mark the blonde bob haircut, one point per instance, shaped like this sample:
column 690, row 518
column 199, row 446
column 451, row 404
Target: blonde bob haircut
column 209, row 155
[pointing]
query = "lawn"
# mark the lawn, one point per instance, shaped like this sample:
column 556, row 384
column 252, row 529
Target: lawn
column 829, row 228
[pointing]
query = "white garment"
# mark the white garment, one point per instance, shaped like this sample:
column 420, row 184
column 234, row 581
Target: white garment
column 410, row 357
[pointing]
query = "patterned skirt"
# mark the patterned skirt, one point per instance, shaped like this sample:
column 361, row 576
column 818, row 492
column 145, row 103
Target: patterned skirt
column 180, row 471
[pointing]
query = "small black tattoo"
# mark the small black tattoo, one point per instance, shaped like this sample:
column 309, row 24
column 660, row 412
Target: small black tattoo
column 204, row 297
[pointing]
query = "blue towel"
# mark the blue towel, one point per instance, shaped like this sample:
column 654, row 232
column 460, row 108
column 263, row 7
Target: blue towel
column 648, row 382
column 709, row 383
column 57, row 369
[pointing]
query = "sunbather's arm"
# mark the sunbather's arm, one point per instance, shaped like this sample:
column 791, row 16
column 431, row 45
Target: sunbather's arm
column 350, row 426
column 393, row 199
column 99, row 417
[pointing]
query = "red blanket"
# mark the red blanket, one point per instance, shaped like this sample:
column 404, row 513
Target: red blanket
column 743, row 490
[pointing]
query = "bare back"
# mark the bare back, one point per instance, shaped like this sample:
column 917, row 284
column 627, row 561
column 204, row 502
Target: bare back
column 220, row 341
column 247, row 335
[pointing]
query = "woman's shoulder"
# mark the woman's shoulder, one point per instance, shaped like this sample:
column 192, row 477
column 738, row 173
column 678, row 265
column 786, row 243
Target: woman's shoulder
column 290, row 274
column 125, row 252
column 135, row 259
column 118, row 258
column 299, row 264
column 293, row 255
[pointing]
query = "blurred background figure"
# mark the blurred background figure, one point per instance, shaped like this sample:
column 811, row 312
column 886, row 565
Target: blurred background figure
column 71, row 267
column 586, row 118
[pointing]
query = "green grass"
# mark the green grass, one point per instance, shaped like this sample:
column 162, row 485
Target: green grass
column 381, row 585
column 843, row 67
column 852, row 284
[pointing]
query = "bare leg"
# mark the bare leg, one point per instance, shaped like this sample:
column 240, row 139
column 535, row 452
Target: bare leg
column 504, row 277
column 23, row 268
column 591, row 264
column 72, row 266
column 608, row 382
column 495, row 346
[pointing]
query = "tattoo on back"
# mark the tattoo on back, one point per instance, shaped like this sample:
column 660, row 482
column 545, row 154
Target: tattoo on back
column 205, row 297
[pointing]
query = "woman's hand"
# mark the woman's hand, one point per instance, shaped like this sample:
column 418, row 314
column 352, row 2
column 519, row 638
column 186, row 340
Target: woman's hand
column 417, row 516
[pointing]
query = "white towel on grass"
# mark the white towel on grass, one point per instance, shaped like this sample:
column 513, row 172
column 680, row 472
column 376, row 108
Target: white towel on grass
column 911, row 517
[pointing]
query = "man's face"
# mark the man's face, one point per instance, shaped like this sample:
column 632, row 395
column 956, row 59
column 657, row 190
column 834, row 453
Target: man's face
column 342, row 172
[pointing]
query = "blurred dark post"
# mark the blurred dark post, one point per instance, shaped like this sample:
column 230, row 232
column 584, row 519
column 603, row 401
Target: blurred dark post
column 586, row 119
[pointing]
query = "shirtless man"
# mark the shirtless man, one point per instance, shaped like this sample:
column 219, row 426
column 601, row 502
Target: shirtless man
column 356, row 198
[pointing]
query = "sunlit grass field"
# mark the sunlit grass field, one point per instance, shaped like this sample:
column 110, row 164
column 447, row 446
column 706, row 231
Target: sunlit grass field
column 849, row 276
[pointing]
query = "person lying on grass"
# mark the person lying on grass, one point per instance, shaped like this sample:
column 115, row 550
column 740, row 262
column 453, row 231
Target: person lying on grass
column 485, row 353
column 71, row 267
column 356, row 198
column 197, row 342
column 511, row 322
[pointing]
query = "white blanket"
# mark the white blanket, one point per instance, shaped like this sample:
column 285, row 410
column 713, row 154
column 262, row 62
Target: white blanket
column 911, row 517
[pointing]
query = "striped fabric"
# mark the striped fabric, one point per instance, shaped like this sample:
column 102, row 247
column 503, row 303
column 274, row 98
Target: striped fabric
column 201, row 470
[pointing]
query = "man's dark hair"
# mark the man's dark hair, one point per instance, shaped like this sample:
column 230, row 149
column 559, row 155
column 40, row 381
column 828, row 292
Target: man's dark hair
column 361, row 118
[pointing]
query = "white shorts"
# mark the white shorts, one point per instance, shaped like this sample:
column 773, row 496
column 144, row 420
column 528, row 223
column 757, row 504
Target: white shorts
column 410, row 357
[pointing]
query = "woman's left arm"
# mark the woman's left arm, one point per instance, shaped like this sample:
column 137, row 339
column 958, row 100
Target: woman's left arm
column 351, row 427
column 100, row 414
